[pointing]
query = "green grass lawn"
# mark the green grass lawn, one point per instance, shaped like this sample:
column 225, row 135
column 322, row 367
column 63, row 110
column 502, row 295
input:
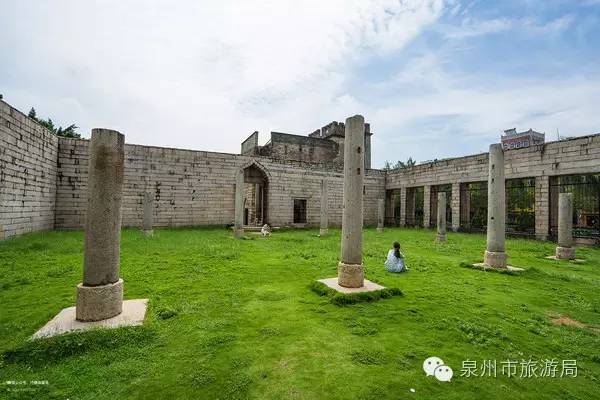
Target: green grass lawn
column 233, row 319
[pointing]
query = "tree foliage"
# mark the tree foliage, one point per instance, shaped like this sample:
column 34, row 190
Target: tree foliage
column 69, row 132
column 399, row 165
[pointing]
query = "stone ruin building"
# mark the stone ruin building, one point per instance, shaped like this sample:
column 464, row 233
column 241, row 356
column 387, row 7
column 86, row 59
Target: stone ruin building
column 43, row 182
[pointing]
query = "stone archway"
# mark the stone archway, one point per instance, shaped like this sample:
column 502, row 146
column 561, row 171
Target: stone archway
column 256, row 199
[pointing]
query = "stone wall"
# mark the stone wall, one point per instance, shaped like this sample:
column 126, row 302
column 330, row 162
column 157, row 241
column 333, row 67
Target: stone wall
column 197, row 187
column 250, row 145
column 284, row 146
column 43, row 181
column 574, row 156
column 28, row 170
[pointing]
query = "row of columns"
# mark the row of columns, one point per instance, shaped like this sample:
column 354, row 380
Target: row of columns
column 407, row 206
column 541, row 205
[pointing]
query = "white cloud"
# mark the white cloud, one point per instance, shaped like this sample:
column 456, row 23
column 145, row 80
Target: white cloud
column 198, row 74
column 471, row 27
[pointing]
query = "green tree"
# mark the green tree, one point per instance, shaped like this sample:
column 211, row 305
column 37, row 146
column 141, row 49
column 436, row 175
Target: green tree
column 402, row 165
column 69, row 132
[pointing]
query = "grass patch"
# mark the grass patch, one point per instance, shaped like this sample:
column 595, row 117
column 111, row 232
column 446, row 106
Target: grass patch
column 233, row 319
column 41, row 352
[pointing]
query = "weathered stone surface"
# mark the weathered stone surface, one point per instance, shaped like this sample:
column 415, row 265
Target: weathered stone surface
column 484, row 266
column 238, row 227
column 95, row 303
column 565, row 253
column 350, row 275
column 380, row 214
column 100, row 296
column 148, row 217
column 133, row 314
column 44, row 180
column 368, row 286
column 495, row 259
column 350, row 270
column 103, row 224
column 324, row 220
column 565, row 249
column 494, row 254
column 441, row 217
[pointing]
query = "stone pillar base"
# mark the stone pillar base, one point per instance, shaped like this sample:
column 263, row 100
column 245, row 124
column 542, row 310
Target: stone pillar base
column 440, row 238
column 379, row 229
column 148, row 232
column 565, row 253
column 350, row 275
column 238, row 232
column 95, row 303
column 495, row 259
column 323, row 231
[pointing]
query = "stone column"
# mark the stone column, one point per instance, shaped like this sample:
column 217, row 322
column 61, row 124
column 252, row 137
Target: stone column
column 350, row 268
column 380, row 214
column 148, row 217
column 100, row 295
column 238, row 223
column 426, row 206
column 403, row 206
column 410, row 206
column 494, row 254
column 565, row 249
column 324, row 222
column 455, row 206
column 542, row 195
column 441, row 217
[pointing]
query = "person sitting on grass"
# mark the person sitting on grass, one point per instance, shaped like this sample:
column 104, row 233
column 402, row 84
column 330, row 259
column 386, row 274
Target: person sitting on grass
column 266, row 230
column 395, row 260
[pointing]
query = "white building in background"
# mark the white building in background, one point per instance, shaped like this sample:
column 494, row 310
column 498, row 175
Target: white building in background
column 517, row 140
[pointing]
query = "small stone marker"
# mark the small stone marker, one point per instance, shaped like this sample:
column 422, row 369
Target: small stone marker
column 380, row 214
column 324, row 222
column 148, row 217
column 441, row 217
column 565, row 249
column 100, row 295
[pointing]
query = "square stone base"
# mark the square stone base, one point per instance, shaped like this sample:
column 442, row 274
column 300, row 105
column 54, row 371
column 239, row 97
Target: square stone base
column 368, row 286
column 575, row 260
column 133, row 314
column 510, row 268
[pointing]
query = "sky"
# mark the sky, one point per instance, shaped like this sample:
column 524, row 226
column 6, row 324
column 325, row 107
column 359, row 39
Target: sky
column 435, row 78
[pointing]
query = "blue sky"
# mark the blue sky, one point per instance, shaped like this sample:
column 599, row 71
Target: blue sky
column 434, row 78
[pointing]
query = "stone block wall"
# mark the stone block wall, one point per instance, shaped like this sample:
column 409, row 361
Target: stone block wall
column 197, row 187
column 28, row 170
column 43, row 181
column 574, row 156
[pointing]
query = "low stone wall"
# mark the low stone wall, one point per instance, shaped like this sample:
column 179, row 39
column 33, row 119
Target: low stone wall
column 28, row 171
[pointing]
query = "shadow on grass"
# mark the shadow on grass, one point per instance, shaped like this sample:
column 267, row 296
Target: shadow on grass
column 41, row 352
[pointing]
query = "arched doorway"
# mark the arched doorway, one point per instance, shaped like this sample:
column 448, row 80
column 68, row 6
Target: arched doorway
column 256, row 185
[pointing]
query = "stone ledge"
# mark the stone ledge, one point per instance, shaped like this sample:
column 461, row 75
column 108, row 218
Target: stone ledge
column 134, row 312
column 368, row 286
column 486, row 267
column 574, row 260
